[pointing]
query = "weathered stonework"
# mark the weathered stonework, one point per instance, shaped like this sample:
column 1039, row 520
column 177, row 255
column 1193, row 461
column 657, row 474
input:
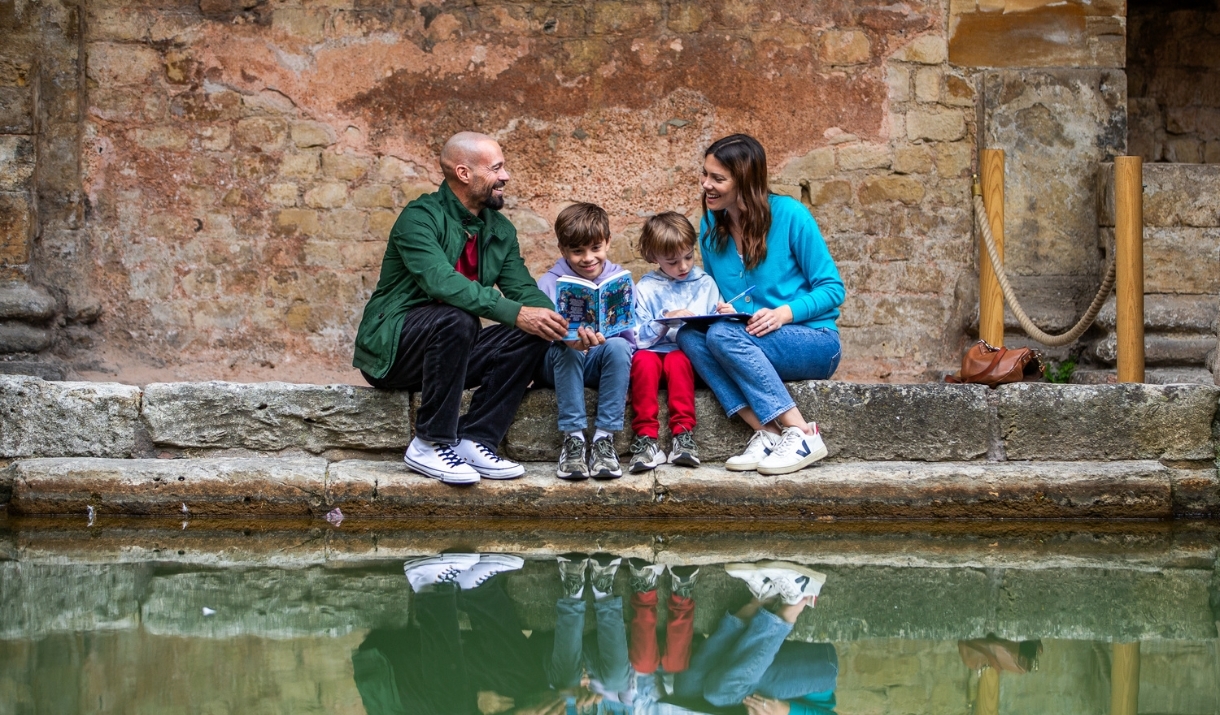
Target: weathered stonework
column 65, row 419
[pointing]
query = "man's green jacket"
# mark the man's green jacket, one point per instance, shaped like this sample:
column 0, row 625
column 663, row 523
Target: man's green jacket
column 418, row 269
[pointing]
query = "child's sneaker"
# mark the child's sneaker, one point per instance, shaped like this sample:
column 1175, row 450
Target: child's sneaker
column 646, row 454
column 603, row 459
column 793, row 582
column 572, row 464
column 759, row 447
column 796, row 450
column 572, row 567
column 602, row 570
column 683, row 580
column 760, row 585
column 683, row 451
column 644, row 575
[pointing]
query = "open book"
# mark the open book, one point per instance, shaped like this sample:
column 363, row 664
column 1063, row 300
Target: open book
column 608, row 308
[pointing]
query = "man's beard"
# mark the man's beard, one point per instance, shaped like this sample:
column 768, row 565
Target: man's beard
column 491, row 201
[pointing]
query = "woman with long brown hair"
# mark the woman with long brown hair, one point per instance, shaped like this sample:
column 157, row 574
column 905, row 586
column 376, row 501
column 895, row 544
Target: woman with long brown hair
column 767, row 250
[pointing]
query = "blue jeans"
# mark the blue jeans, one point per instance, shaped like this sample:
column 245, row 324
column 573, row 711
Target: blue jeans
column 747, row 371
column 606, row 367
column 740, row 659
column 604, row 656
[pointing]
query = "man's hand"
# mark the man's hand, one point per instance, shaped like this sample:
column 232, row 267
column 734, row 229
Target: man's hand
column 546, row 324
column 492, row 703
column 759, row 705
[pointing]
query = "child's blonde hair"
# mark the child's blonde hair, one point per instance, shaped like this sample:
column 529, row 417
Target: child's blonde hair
column 666, row 234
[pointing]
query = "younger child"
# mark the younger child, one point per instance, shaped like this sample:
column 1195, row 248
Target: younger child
column 677, row 288
column 583, row 233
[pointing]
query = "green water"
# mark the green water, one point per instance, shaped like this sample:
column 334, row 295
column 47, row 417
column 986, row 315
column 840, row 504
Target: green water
column 150, row 617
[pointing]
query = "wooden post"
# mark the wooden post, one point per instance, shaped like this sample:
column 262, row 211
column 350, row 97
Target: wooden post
column 1125, row 679
column 991, row 299
column 1129, row 255
column 988, row 702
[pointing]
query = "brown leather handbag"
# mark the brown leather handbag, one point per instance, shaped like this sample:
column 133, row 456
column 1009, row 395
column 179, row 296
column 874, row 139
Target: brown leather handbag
column 1000, row 654
column 986, row 365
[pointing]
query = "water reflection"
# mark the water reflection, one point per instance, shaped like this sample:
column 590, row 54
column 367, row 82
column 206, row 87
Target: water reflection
column 495, row 665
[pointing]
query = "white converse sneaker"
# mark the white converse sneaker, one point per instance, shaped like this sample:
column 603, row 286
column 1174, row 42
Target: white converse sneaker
column 792, row 581
column 796, row 450
column 431, row 570
column 487, row 463
column 758, row 582
column 439, row 461
column 489, row 565
column 759, row 447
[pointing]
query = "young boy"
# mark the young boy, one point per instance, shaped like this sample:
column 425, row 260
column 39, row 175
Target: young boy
column 677, row 288
column 583, row 233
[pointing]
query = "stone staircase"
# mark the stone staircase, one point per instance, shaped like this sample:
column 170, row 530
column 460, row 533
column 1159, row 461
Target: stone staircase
column 1030, row 450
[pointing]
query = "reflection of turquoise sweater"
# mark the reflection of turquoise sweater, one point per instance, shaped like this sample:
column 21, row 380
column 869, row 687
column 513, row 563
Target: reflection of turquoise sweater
column 798, row 270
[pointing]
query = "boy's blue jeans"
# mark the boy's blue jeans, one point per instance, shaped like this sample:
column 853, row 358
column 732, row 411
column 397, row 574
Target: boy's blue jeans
column 604, row 656
column 740, row 659
column 607, row 368
column 747, row 371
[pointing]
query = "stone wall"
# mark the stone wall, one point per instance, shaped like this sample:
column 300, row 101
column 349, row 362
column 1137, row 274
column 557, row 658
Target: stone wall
column 216, row 178
column 1173, row 74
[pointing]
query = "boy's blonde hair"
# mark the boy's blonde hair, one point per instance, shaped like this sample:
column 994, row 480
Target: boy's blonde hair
column 666, row 234
column 581, row 225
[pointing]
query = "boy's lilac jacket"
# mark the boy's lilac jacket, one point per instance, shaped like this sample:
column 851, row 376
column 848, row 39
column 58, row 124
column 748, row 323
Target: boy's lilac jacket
column 561, row 268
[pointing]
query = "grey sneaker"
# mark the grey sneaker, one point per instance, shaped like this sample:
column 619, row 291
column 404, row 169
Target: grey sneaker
column 684, row 577
column 645, row 454
column 602, row 571
column 572, row 568
column 683, row 450
column 603, row 460
column 572, row 463
column 644, row 575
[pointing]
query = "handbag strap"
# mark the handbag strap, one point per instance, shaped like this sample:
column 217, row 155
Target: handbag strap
column 995, row 359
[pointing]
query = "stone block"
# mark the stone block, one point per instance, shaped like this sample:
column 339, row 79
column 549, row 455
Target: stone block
column 936, row 490
column 161, row 487
column 17, row 110
column 328, row 195
column 912, row 159
column 21, row 302
column 1170, row 313
column 940, row 125
column 273, row 416
column 37, row 600
column 374, row 196
column 267, row 134
column 1182, row 260
column 300, row 166
column 1037, row 34
column 163, row 138
column 1043, row 421
column 301, row 221
column 864, row 156
column 282, row 194
column 1065, row 121
column 1163, row 348
column 112, row 63
column 343, row 224
column 927, row 85
column 613, row 17
column 898, row 82
column 527, row 221
column 817, row 164
column 904, row 189
column 1196, row 492
column 65, row 419
column 844, row 47
column 925, row 50
column 1174, row 195
column 389, row 488
column 273, row 603
column 347, row 167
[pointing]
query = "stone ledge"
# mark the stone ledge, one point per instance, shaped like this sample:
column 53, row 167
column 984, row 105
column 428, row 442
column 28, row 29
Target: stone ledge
column 67, row 419
column 1128, row 489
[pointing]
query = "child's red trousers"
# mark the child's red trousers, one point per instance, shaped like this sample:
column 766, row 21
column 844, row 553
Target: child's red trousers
column 679, row 630
column 647, row 370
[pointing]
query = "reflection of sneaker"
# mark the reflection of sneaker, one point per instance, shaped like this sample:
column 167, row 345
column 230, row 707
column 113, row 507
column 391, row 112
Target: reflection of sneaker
column 683, row 580
column 792, row 581
column 601, row 573
column 489, row 565
column 603, row 460
column 572, row 572
column 644, row 575
column 487, row 463
column 683, row 451
column 795, row 450
column 572, row 464
column 758, row 448
column 645, row 454
column 439, row 461
column 431, row 570
column 760, row 586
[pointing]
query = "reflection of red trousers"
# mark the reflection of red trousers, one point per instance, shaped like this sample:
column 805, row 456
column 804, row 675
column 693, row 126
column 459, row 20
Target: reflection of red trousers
column 643, row 651
column 647, row 369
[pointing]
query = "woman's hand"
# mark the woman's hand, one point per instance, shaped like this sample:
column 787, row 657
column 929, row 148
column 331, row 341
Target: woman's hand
column 588, row 338
column 679, row 313
column 768, row 320
column 493, row 703
column 725, row 308
column 759, row 705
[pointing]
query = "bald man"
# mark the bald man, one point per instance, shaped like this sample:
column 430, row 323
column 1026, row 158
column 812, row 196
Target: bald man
column 448, row 252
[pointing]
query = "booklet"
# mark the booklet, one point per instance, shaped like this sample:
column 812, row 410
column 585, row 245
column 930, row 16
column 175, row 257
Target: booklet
column 608, row 308
column 704, row 320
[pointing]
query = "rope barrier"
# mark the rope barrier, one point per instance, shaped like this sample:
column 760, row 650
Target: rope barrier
column 1107, row 284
